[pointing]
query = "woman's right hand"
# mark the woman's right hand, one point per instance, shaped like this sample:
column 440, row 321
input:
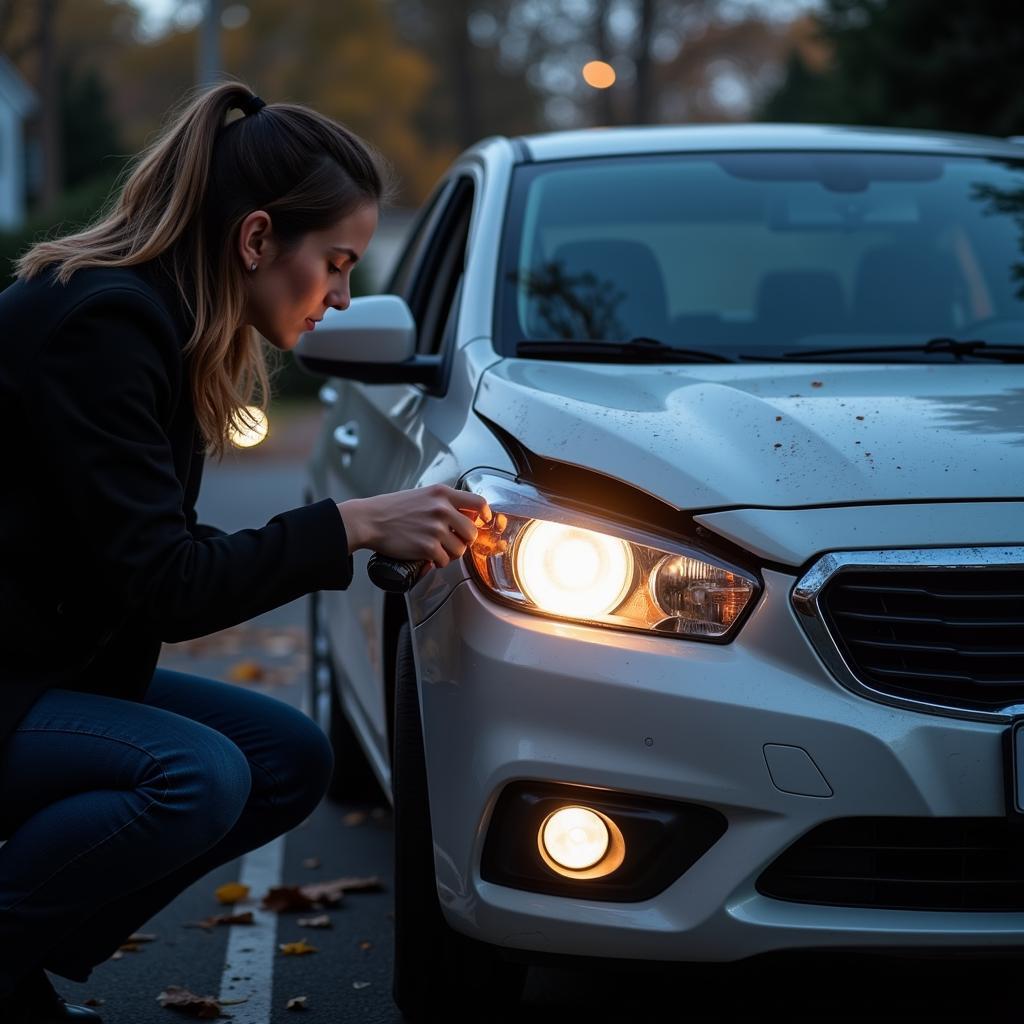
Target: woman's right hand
column 431, row 524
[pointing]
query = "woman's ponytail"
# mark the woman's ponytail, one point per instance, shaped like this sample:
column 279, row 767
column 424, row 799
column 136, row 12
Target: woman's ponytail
column 182, row 201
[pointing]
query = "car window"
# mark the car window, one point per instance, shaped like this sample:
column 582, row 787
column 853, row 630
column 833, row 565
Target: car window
column 432, row 291
column 742, row 251
column 416, row 243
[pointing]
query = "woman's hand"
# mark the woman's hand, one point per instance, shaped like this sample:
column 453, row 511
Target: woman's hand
column 432, row 524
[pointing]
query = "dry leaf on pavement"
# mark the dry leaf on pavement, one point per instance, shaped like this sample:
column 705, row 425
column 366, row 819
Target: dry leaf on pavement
column 360, row 984
column 282, row 898
column 246, row 671
column 231, row 892
column 296, row 1003
column 316, row 895
column 175, row 997
column 320, row 890
column 321, row 921
column 297, row 948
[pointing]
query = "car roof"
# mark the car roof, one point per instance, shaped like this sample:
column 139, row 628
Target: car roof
column 595, row 142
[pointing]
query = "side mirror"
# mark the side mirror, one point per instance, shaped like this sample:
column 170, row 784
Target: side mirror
column 373, row 341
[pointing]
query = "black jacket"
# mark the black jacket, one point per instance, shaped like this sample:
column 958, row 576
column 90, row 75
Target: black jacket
column 101, row 557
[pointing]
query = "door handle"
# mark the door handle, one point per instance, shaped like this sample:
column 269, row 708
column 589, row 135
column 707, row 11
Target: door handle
column 346, row 437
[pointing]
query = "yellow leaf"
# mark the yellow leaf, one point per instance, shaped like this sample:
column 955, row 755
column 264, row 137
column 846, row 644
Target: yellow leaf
column 245, row 672
column 296, row 948
column 231, row 892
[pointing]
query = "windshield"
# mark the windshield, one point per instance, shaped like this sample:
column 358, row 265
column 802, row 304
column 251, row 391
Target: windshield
column 746, row 253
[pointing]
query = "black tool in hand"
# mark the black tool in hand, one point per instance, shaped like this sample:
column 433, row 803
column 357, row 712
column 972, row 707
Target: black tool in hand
column 393, row 574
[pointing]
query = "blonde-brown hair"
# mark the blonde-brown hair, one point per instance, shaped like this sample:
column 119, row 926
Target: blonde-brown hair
column 182, row 200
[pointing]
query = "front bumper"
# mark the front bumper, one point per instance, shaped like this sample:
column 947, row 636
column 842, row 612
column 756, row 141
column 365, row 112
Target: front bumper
column 507, row 695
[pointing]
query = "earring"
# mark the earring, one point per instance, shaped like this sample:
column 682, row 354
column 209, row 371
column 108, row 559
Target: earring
column 253, row 267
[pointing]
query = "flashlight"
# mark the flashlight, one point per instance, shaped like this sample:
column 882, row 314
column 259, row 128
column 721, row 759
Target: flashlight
column 393, row 574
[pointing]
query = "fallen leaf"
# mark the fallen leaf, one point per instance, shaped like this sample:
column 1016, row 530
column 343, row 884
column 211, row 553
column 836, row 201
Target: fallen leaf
column 316, row 895
column 129, row 947
column 247, row 671
column 231, row 892
column 282, row 898
column 296, row 1003
column 354, row 818
column 337, row 886
column 178, row 998
column 311, row 862
column 365, row 944
column 93, row 1001
column 141, row 937
column 296, row 948
column 321, row 921
column 360, row 984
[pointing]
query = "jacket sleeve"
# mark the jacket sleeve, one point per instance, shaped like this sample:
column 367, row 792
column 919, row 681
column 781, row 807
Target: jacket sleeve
column 99, row 393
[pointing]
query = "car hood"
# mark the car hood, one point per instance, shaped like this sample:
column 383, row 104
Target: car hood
column 778, row 435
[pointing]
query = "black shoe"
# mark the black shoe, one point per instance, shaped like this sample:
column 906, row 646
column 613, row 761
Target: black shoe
column 36, row 1002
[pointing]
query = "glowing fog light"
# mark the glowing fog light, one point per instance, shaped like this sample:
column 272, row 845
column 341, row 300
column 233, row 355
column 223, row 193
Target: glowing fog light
column 568, row 570
column 575, row 838
column 252, row 430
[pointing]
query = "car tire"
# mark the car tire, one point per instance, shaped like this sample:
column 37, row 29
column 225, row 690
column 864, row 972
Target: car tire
column 353, row 780
column 438, row 972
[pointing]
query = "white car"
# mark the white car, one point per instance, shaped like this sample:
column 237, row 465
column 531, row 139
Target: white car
column 743, row 670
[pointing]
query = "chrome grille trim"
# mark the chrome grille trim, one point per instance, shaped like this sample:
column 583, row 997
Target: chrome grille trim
column 807, row 591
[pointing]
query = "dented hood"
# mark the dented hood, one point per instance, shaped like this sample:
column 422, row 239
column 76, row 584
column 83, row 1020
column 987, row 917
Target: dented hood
column 778, row 435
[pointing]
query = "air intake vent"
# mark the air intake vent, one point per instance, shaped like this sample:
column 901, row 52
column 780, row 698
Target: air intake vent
column 949, row 635
column 904, row 864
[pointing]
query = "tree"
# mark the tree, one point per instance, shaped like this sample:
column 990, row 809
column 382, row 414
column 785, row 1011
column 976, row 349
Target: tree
column 911, row 63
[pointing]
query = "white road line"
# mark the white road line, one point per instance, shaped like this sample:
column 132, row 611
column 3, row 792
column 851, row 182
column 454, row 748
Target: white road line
column 250, row 953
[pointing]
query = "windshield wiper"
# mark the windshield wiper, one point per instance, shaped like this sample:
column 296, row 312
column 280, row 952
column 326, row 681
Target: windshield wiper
column 952, row 346
column 636, row 350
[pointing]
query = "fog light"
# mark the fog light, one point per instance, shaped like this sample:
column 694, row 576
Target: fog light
column 580, row 843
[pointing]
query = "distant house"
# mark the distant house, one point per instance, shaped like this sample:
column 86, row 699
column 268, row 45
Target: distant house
column 18, row 102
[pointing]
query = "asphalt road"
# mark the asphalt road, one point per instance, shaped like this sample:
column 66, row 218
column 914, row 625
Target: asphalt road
column 348, row 978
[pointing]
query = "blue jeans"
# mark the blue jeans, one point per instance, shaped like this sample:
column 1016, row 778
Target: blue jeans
column 112, row 807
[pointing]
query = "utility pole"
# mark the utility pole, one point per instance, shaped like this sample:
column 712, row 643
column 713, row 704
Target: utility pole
column 209, row 44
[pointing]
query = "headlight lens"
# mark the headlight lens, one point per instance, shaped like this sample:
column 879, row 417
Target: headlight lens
column 568, row 570
column 554, row 561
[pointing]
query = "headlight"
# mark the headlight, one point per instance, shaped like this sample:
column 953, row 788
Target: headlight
column 553, row 560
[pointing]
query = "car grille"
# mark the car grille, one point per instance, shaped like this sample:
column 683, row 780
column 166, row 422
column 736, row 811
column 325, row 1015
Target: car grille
column 904, row 864
column 951, row 635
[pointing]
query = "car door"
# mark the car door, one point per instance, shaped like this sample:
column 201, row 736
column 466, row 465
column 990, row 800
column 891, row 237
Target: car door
column 380, row 444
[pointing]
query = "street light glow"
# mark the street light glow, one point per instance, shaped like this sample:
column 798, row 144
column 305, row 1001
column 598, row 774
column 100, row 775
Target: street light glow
column 598, row 74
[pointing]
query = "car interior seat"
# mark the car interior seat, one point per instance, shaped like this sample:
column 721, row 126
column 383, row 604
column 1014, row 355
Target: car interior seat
column 905, row 289
column 613, row 289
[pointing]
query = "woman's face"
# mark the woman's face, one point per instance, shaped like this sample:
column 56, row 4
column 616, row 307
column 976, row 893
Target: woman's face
column 287, row 293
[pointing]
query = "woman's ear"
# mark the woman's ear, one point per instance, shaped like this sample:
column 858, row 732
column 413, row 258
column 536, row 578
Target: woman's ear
column 255, row 239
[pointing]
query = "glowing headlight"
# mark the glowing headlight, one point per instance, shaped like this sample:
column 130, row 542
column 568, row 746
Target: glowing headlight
column 552, row 561
column 567, row 570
